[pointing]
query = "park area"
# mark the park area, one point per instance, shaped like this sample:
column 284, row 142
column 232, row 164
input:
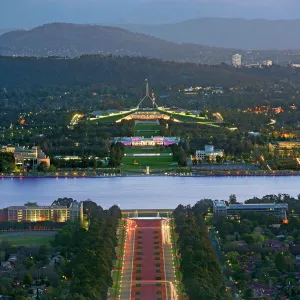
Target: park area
column 28, row 238
column 154, row 162
column 146, row 128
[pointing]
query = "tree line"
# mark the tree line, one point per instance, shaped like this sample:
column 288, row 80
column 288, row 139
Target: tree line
column 202, row 277
column 91, row 253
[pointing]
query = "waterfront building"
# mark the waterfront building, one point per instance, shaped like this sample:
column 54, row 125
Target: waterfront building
column 237, row 60
column 45, row 213
column 209, row 153
column 140, row 141
column 220, row 208
column 27, row 156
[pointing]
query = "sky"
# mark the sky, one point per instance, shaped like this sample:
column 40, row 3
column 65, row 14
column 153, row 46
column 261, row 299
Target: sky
column 29, row 13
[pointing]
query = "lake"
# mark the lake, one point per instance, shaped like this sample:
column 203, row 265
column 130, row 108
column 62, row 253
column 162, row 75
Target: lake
column 142, row 192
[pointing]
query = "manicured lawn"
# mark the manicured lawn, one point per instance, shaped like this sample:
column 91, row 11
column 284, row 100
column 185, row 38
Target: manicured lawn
column 147, row 150
column 147, row 126
column 188, row 118
column 20, row 239
column 152, row 162
column 111, row 119
column 147, row 134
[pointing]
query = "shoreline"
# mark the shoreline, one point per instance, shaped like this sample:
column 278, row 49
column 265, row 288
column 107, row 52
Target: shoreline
column 146, row 175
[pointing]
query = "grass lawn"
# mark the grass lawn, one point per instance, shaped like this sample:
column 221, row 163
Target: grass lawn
column 25, row 239
column 188, row 118
column 147, row 150
column 147, row 134
column 111, row 119
column 152, row 162
column 146, row 126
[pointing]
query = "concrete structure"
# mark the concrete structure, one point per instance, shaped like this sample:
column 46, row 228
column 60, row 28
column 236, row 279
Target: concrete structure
column 268, row 63
column 46, row 213
column 237, row 60
column 154, row 141
column 27, row 156
column 221, row 209
column 209, row 152
column 285, row 145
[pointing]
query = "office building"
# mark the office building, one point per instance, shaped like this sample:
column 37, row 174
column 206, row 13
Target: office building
column 237, row 60
column 46, row 213
column 209, row 153
column 220, row 208
column 25, row 157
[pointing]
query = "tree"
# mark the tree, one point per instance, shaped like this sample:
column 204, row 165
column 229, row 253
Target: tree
column 42, row 167
column 280, row 263
column 7, row 162
column 31, row 204
column 232, row 199
column 27, row 279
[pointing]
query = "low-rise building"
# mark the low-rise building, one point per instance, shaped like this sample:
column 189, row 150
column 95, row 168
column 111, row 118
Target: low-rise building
column 209, row 153
column 220, row 208
column 27, row 156
column 140, row 141
column 46, row 213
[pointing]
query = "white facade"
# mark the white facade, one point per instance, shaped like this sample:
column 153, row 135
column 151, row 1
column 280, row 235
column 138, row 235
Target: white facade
column 210, row 152
column 268, row 63
column 237, row 60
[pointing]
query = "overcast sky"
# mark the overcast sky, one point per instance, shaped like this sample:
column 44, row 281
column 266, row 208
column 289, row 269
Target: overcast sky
column 29, row 13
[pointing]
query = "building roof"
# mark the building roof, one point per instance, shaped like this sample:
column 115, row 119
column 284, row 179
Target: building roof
column 37, row 207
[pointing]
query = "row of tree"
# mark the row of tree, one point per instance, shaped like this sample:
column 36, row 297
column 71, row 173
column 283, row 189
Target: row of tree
column 199, row 266
column 91, row 253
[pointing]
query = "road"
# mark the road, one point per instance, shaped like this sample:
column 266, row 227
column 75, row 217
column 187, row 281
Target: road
column 148, row 269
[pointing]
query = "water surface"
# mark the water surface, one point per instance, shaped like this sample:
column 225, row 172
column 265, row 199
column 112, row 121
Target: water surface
column 142, row 192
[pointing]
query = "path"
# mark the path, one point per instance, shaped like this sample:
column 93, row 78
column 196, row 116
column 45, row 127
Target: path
column 128, row 261
column 148, row 272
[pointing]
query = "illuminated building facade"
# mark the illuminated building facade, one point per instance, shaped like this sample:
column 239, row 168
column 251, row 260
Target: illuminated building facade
column 46, row 213
column 154, row 141
column 221, row 209
column 209, row 153
column 27, row 156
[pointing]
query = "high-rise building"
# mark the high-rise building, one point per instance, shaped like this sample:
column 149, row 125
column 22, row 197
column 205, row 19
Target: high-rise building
column 237, row 60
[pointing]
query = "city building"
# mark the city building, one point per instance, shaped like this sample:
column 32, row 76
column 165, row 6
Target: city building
column 25, row 157
column 154, row 141
column 209, row 153
column 237, row 60
column 45, row 213
column 220, row 208
column 284, row 146
column 267, row 63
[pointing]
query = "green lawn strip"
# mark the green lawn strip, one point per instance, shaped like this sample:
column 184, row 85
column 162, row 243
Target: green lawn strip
column 113, row 118
column 118, row 264
column 147, row 126
column 187, row 118
column 147, row 150
column 26, row 240
column 152, row 162
column 176, row 260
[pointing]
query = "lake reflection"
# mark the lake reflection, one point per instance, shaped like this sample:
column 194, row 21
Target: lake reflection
column 142, row 192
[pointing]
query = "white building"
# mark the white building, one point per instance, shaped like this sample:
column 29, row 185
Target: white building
column 209, row 152
column 237, row 60
column 268, row 63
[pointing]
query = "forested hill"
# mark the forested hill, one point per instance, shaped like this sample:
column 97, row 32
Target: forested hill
column 126, row 71
column 73, row 40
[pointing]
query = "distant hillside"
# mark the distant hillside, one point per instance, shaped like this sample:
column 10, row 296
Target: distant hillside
column 70, row 40
column 4, row 30
column 244, row 34
column 127, row 71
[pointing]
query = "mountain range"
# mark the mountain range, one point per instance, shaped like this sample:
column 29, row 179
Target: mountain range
column 71, row 40
column 243, row 34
